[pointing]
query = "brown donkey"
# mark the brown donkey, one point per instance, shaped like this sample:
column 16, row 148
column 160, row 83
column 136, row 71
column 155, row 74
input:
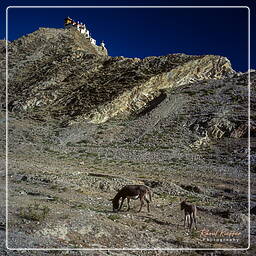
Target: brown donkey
column 189, row 213
column 134, row 192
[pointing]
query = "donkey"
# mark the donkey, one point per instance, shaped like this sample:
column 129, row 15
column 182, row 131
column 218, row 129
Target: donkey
column 134, row 192
column 189, row 213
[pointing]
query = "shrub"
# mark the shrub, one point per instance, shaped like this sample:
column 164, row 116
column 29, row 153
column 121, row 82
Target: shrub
column 34, row 212
column 114, row 217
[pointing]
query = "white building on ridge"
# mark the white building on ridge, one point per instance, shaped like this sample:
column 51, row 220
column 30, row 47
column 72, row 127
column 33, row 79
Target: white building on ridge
column 70, row 23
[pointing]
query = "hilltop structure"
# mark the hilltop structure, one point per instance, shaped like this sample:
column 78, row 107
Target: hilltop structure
column 70, row 23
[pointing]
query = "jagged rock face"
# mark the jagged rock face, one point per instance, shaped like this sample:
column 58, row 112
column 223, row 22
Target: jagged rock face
column 49, row 43
column 135, row 100
column 58, row 73
column 40, row 61
column 193, row 116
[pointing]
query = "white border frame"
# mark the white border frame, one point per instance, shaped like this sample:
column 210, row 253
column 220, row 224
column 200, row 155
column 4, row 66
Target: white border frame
column 131, row 249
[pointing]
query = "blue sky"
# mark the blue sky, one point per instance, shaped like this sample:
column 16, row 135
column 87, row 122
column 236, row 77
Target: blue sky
column 141, row 32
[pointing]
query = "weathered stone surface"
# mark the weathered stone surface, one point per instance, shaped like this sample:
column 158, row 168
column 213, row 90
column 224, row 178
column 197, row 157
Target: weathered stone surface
column 58, row 73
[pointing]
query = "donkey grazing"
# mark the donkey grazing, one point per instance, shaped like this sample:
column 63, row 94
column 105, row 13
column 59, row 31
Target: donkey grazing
column 189, row 213
column 134, row 192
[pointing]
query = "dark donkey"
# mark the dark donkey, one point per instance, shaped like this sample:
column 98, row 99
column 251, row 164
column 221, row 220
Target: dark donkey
column 189, row 213
column 134, row 192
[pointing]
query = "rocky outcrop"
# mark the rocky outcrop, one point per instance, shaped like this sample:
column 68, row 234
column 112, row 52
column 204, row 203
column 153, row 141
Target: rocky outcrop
column 138, row 98
column 58, row 73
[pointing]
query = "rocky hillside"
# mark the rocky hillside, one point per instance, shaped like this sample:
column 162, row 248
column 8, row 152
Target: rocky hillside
column 58, row 73
column 38, row 54
column 83, row 124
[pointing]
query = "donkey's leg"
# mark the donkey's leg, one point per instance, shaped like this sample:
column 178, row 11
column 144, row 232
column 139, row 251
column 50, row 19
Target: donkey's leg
column 147, row 200
column 141, row 203
column 194, row 217
column 128, row 204
column 191, row 221
column 121, row 204
column 185, row 220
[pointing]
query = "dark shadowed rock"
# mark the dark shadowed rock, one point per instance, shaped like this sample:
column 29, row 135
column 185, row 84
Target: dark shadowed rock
column 253, row 210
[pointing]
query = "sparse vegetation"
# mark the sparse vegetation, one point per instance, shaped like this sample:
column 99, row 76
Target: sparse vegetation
column 34, row 212
column 114, row 217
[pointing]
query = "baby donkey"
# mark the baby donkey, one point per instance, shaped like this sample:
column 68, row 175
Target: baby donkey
column 189, row 213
